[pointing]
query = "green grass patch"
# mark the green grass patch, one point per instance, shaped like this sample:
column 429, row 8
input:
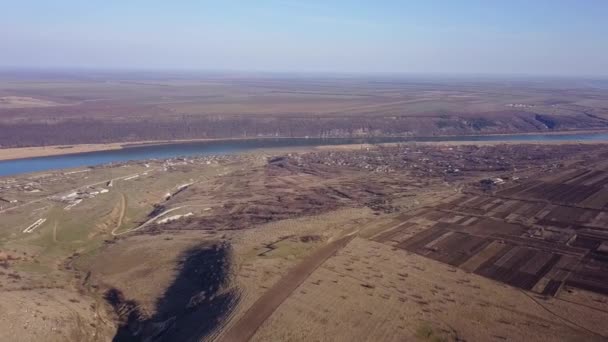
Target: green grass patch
column 426, row 333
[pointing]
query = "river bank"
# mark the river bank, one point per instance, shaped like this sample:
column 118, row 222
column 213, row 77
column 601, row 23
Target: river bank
column 57, row 150
column 63, row 157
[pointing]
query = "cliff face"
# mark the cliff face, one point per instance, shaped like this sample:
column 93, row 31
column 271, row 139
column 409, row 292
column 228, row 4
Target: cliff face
column 100, row 130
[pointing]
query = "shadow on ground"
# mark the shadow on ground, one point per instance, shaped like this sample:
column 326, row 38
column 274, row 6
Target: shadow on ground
column 191, row 308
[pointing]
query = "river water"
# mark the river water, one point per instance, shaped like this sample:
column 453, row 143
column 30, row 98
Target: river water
column 143, row 152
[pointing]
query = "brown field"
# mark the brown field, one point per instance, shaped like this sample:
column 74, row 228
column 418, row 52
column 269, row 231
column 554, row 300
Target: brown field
column 540, row 235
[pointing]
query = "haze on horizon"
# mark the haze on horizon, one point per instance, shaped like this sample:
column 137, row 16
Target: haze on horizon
column 559, row 37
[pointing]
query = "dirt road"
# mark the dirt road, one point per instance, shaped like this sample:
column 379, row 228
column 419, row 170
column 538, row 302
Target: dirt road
column 147, row 222
column 121, row 215
column 246, row 327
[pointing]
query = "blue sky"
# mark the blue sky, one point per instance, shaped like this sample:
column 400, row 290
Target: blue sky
column 558, row 37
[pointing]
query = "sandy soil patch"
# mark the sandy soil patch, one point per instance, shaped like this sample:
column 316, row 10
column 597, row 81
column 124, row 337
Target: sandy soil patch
column 24, row 102
column 29, row 152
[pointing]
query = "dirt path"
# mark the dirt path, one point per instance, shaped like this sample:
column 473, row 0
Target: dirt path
column 121, row 216
column 255, row 316
column 55, row 232
column 145, row 224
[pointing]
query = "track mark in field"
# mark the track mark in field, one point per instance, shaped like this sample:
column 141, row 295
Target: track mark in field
column 123, row 209
column 55, row 231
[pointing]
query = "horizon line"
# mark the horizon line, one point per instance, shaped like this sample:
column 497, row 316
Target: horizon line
column 225, row 71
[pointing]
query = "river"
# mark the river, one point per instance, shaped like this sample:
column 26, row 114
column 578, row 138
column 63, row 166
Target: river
column 143, row 152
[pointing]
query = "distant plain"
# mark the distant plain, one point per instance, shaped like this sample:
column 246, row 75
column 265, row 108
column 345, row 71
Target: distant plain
column 71, row 108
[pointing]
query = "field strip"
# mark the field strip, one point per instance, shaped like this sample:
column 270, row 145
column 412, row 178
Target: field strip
column 257, row 314
column 390, row 229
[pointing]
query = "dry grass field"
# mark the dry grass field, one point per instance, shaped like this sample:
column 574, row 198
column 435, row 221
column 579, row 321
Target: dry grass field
column 370, row 292
column 401, row 242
